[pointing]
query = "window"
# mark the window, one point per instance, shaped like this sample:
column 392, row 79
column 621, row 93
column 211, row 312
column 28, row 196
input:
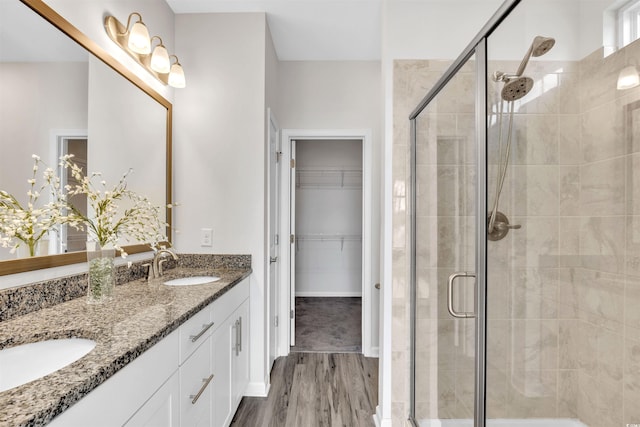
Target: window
column 629, row 22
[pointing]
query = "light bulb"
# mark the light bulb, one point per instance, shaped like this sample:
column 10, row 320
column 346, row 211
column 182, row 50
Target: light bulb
column 160, row 60
column 139, row 38
column 176, row 76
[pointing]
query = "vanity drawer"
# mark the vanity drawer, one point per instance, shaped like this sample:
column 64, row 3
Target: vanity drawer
column 232, row 300
column 195, row 331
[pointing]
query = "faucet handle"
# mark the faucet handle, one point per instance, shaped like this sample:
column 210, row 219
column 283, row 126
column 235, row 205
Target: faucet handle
column 149, row 270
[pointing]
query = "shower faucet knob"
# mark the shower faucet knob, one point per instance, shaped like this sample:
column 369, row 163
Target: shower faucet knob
column 501, row 227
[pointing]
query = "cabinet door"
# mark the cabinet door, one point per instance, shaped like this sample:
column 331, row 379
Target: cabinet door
column 240, row 355
column 196, row 378
column 221, row 347
column 162, row 409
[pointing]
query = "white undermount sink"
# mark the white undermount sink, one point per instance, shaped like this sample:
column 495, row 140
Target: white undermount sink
column 27, row 362
column 195, row 280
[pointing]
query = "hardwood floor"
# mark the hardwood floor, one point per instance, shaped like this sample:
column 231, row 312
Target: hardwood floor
column 315, row 389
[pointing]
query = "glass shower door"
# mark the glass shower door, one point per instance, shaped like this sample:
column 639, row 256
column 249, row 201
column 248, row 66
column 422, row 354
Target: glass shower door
column 445, row 184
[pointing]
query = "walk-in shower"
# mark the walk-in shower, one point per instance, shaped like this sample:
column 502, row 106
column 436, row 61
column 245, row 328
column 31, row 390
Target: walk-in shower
column 524, row 231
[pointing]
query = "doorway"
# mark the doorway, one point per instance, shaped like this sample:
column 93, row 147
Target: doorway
column 327, row 281
column 341, row 242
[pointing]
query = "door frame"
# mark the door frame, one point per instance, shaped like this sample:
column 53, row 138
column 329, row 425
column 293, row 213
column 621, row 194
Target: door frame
column 365, row 135
column 273, row 318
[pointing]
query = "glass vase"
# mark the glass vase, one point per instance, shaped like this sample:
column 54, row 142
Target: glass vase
column 101, row 275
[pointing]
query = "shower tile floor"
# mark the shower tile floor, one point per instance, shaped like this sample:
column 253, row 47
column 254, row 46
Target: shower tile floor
column 328, row 324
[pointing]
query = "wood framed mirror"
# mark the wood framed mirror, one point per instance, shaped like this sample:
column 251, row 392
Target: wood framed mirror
column 150, row 124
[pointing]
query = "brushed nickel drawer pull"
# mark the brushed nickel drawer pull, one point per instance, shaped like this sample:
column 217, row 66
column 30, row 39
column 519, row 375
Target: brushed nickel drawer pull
column 206, row 382
column 205, row 328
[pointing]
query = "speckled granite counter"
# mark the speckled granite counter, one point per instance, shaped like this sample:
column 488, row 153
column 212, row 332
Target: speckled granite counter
column 139, row 316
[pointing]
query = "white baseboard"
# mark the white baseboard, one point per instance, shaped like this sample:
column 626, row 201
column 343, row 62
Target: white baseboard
column 379, row 421
column 372, row 352
column 257, row 390
column 327, row 294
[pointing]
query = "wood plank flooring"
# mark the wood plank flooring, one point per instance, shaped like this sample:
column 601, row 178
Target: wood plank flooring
column 315, row 389
column 330, row 324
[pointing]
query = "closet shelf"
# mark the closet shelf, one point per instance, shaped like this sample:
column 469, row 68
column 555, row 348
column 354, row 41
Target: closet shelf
column 328, row 178
column 328, row 238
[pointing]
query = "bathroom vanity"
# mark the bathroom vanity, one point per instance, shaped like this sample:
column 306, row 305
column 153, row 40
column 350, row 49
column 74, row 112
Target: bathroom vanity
column 164, row 355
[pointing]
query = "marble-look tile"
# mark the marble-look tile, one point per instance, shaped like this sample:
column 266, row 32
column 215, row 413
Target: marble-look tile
column 568, row 394
column 536, row 243
column 569, row 127
column 532, row 394
column 633, row 184
column 610, row 357
column 602, row 128
column 631, row 378
column 534, row 190
column 568, row 299
column 534, row 345
column 534, row 294
column 598, row 78
column 632, row 256
column 601, row 298
column 535, row 140
column 568, row 344
column 496, row 393
column 602, row 243
column 632, row 305
column 602, row 188
column 599, row 403
column 569, row 189
column 498, row 345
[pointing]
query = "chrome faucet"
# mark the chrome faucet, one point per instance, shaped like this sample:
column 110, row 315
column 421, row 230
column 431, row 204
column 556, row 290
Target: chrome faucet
column 155, row 270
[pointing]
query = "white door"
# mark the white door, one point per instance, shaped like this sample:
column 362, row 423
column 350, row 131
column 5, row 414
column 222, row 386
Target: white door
column 292, row 242
column 274, row 235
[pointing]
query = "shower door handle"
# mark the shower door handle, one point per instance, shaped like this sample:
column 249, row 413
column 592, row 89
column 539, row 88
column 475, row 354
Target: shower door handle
column 452, row 311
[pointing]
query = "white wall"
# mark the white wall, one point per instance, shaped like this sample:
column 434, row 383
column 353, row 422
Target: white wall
column 219, row 149
column 338, row 95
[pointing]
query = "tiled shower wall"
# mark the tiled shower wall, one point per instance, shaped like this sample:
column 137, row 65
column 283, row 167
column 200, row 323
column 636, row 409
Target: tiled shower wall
column 564, row 291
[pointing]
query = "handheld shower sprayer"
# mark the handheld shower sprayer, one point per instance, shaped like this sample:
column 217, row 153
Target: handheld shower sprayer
column 515, row 87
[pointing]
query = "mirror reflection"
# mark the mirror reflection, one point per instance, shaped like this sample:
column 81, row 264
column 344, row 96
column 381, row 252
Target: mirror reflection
column 56, row 98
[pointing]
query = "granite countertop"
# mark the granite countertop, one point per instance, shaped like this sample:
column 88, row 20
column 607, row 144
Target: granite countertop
column 140, row 315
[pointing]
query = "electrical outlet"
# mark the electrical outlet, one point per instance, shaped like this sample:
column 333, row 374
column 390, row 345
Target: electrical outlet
column 206, row 237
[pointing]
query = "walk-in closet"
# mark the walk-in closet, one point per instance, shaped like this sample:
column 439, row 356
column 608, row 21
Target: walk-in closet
column 328, row 245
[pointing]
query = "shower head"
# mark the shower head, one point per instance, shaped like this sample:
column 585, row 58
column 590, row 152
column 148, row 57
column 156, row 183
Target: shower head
column 516, row 87
column 542, row 45
column 539, row 47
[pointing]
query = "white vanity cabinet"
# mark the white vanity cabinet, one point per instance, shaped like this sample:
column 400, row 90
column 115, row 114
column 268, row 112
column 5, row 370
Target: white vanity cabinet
column 195, row 376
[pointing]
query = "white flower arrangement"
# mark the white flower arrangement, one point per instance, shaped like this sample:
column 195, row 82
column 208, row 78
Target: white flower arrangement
column 26, row 223
column 106, row 223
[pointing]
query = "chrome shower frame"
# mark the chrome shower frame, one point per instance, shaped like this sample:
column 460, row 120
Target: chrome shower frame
column 477, row 47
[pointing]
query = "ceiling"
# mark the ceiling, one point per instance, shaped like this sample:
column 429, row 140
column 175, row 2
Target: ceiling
column 309, row 30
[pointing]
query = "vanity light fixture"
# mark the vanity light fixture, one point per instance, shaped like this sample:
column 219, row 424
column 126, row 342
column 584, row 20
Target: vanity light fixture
column 628, row 78
column 137, row 43
column 176, row 76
